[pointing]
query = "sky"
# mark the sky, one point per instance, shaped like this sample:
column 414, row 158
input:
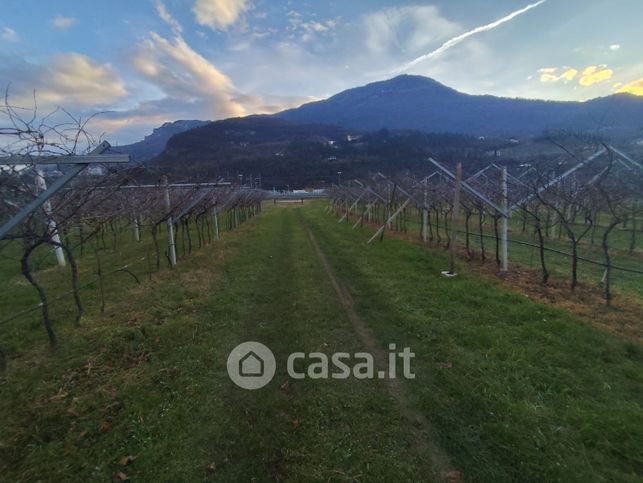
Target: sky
column 141, row 63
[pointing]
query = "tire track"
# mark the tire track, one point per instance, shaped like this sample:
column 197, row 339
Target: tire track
column 425, row 439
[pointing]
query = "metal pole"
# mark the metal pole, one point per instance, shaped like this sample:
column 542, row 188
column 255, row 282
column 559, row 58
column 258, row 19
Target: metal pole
column 216, row 223
column 78, row 164
column 454, row 217
column 137, row 229
column 51, row 223
column 352, row 206
column 388, row 222
column 425, row 218
column 388, row 205
column 171, row 246
column 505, row 222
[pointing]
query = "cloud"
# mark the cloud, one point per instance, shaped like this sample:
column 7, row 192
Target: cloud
column 548, row 78
column 191, row 83
column 78, row 79
column 219, row 14
column 569, row 74
column 615, row 47
column 61, row 22
column 362, row 50
column 270, row 104
column 590, row 75
column 594, row 75
column 70, row 80
column 634, row 87
column 182, row 73
column 10, row 35
column 462, row 37
column 131, row 124
column 187, row 77
column 167, row 18
column 548, row 74
column 406, row 29
column 309, row 30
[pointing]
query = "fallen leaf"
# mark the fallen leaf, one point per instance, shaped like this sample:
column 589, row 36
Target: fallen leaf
column 212, row 467
column 285, row 386
column 446, row 365
column 60, row 396
column 453, row 477
column 105, row 426
column 82, row 434
column 126, row 460
column 296, row 423
column 120, row 476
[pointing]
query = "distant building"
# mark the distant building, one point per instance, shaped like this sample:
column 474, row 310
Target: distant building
column 94, row 170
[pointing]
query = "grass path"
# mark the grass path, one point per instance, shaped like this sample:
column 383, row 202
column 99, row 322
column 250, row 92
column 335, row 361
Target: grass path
column 425, row 441
column 158, row 388
column 512, row 390
column 518, row 391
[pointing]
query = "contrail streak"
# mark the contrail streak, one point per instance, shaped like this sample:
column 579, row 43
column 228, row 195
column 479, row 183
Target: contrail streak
column 460, row 38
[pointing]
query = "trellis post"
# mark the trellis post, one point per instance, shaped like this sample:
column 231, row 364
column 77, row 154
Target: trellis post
column 41, row 186
column 171, row 246
column 425, row 215
column 216, row 223
column 454, row 217
column 137, row 229
column 78, row 162
column 505, row 222
column 388, row 204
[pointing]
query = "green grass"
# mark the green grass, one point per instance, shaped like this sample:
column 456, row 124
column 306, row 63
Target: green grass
column 162, row 383
column 531, row 393
column 559, row 265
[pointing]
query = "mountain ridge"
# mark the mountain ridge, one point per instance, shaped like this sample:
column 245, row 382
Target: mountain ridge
column 154, row 143
column 422, row 103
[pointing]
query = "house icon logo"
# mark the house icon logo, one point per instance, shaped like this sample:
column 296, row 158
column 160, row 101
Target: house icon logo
column 251, row 365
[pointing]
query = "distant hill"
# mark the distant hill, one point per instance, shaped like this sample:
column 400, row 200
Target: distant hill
column 250, row 145
column 291, row 154
column 389, row 126
column 421, row 103
column 153, row 144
